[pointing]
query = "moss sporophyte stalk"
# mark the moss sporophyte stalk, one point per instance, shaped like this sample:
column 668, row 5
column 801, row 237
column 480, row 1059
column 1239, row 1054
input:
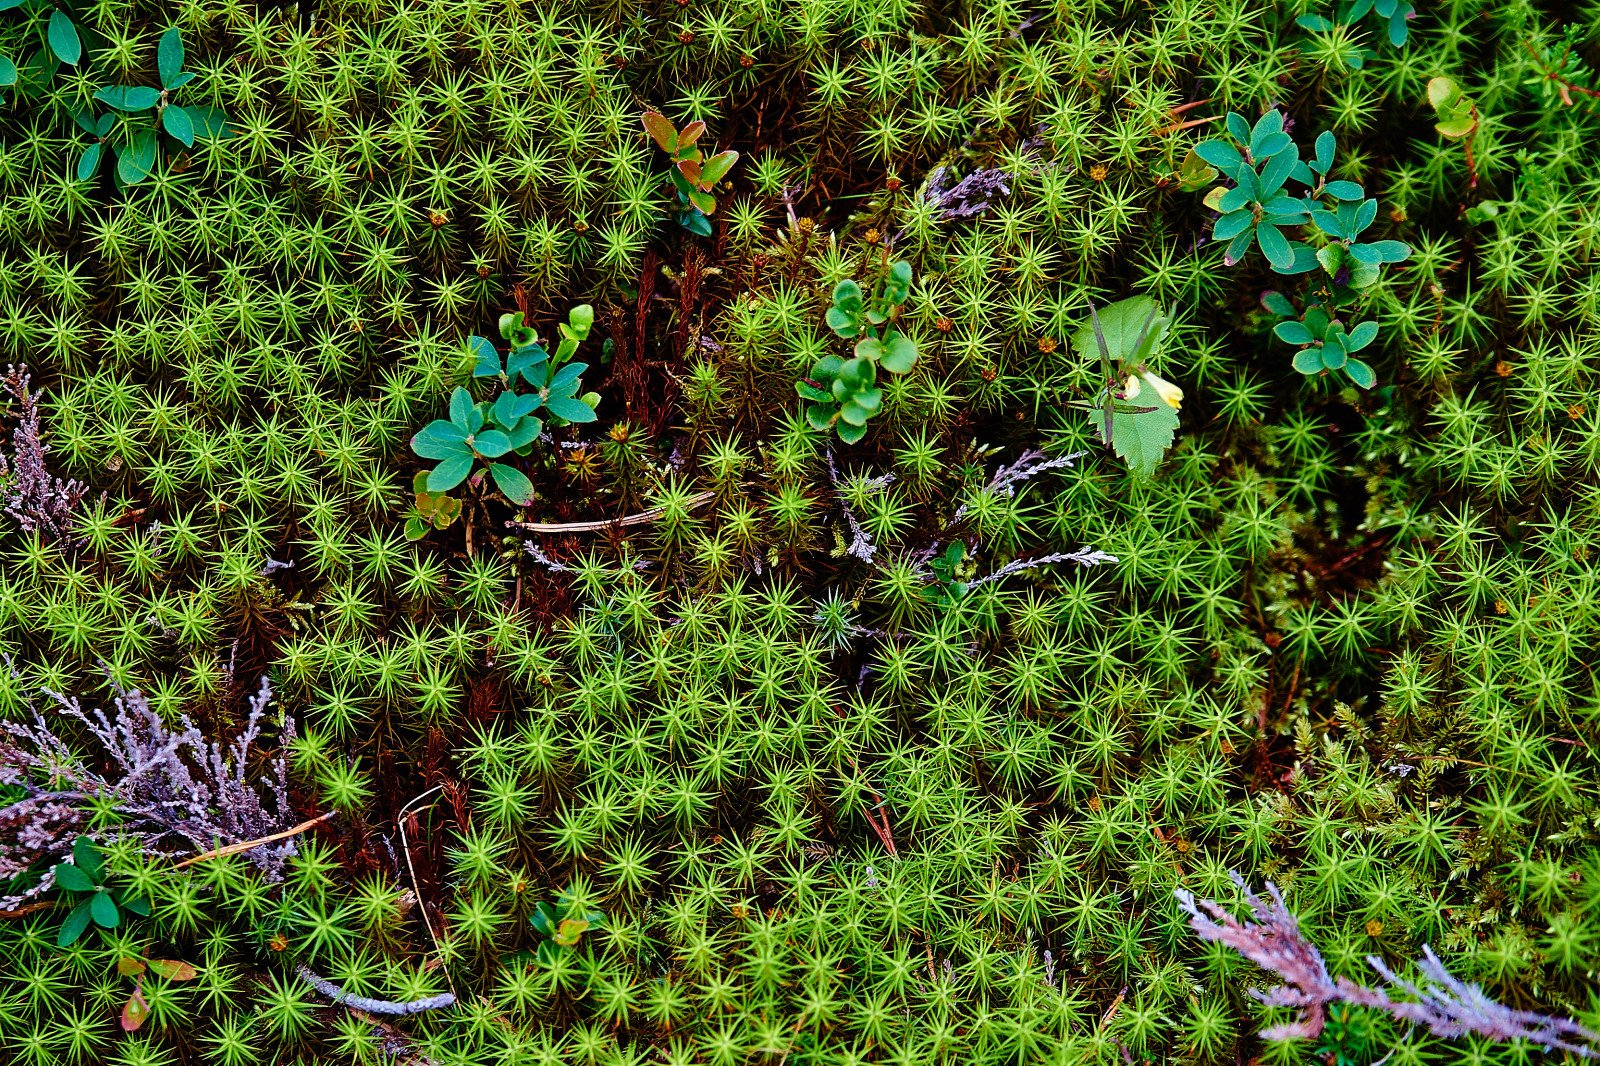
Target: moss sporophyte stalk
column 777, row 532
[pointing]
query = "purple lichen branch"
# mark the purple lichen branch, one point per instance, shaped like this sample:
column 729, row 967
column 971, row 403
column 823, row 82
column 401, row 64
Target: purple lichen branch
column 539, row 556
column 860, row 545
column 1450, row 1007
column 167, row 783
column 1085, row 556
column 1446, row 1006
column 969, row 197
column 370, row 1005
column 38, row 500
column 1029, row 464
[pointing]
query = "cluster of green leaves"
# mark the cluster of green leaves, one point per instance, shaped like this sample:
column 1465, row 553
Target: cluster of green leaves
column 508, row 424
column 1260, row 160
column 693, row 174
column 1394, row 16
column 563, row 925
column 844, row 393
column 142, row 116
column 1136, row 411
column 82, row 882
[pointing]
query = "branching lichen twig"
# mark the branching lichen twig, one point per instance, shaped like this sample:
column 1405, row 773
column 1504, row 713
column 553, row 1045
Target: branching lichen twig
column 370, row 1005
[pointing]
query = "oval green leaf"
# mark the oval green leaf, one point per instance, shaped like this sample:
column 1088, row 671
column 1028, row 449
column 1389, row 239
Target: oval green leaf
column 450, row 473
column 129, row 97
column 169, row 57
column 63, row 38
column 513, row 483
column 177, row 123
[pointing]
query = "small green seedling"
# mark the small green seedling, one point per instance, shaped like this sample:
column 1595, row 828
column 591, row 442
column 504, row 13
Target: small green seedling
column 563, row 925
column 488, row 430
column 137, row 1009
column 432, row 510
column 692, row 174
column 844, row 392
column 1135, row 411
column 132, row 132
column 1458, row 118
column 83, row 881
column 1325, row 346
column 947, row 588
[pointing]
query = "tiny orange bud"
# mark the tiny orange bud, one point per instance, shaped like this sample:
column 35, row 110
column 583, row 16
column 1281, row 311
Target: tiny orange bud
column 1047, row 345
column 437, row 217
column 1098, row 172
column 943, row 324
column 1502, row 368
column 1374, row 928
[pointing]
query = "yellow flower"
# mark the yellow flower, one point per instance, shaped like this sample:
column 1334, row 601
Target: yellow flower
column 1170, row 394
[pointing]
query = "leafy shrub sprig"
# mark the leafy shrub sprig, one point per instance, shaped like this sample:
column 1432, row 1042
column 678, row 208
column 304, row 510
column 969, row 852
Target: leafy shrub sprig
column 1135, row 411
column 563, row 924
column 488, row 430
column 693, row 175
column 131, row 133
column 844, row 392
column 1261, row 160
column 83, row 881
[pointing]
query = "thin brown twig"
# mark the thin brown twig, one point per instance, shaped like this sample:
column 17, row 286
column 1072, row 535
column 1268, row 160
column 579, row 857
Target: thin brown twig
column 28, row 908
column 416, row 886
column 597, row 525
column 249, row 845
column 1179, row 126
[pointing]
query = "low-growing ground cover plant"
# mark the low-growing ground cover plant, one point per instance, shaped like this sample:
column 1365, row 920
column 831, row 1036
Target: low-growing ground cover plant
column 999, row 474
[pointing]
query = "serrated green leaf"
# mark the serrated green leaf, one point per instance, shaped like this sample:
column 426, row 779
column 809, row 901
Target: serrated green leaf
column 1142, row 438
column 1122, row 323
